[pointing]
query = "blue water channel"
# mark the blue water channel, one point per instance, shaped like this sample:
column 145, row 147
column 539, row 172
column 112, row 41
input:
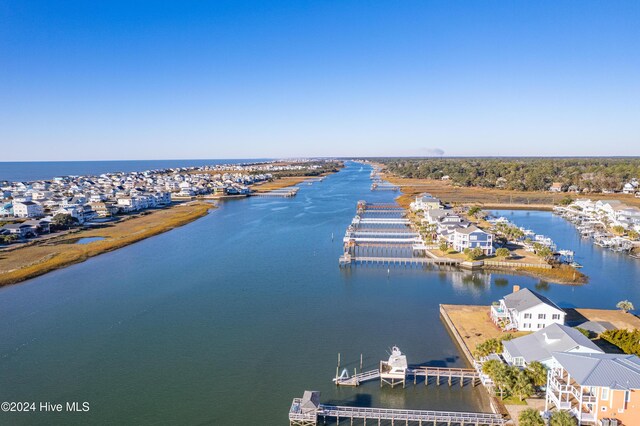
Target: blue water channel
column 225, row 320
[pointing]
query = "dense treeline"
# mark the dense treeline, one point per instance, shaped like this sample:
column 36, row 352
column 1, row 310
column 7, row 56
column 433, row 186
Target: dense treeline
column 628, row 341
column 524, row 174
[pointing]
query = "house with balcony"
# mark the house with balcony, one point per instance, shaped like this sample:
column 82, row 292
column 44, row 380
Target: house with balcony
column 595, row 387
column 540, row 346
column 525, row 310
column 473, row 237
column 425, row 202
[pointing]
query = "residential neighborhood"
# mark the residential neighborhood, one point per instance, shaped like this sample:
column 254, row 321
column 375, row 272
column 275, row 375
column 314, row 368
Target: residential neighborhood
column 27, row 209
column 449, row 226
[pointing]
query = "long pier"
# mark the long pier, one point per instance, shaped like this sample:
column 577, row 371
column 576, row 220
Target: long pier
column 285, row 192
column 305, row 413
column 407, row 261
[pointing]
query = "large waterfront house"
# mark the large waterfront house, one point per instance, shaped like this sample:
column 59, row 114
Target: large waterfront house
column 595, row 387
column 525, row 310
column 425, row 202
column 540, row 346
column 27, row 209
column 473, row 237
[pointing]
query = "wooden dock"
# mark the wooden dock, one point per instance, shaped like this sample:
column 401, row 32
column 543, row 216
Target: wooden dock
column 400, row 261
column 306, row 413
column 284, row 192
column 462, row 375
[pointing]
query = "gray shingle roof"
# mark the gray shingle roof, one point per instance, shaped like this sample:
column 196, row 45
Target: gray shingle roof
column 539, row 346
column 524, row 299
column 608, row 370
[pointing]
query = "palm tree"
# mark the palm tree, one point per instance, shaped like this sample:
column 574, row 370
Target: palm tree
column 562, row 418
column 504, row 379
column 530, row 417
column 522, row 386
column 625, row 306
column 537, row 372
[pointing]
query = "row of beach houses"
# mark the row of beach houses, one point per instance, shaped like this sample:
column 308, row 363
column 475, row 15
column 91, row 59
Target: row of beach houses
column 597, row 388
column 90, row 198
column 450, row 226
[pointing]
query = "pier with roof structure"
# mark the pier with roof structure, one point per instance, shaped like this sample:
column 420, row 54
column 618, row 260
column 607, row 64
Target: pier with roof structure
column 396, row 371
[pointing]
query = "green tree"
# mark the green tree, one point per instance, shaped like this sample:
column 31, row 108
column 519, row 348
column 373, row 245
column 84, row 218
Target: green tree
column 586, row 333
column 625, row 306
column 474, row 253
column 10, row 238
column 503, row 252
column 474, row 211
column 530, row 417
column 562, row 418
column 63, row 221
column 537, row 372
column 522, row 387
column 443, row 246
column 633, row 235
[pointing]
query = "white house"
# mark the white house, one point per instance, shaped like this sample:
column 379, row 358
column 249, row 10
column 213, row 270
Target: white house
column 27, row 209
column 540, row 345
column 472, row 237
column 526, row 310
column 425, row 202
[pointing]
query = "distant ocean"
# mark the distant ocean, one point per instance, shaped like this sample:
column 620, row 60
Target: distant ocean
column 38, row 170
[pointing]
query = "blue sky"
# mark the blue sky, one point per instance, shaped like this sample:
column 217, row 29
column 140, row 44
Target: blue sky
column 84, row 80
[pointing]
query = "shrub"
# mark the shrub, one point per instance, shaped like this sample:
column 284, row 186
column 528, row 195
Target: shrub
column 503, row 252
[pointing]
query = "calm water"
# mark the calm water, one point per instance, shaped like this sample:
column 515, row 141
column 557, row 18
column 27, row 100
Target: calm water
column 19, row 171
column 89, row 240
column 247, row 308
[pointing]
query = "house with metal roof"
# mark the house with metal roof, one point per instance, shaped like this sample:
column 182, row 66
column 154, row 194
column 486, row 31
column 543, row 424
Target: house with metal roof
column 595, row 387
column 525, row 310
column 540, row 346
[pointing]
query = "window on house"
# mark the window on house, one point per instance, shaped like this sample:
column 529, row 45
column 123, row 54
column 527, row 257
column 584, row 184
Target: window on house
column 541, row 316
column 527, row 316
column 605, row 394
column 540, row 325
column 556, row 316
column 627, row 396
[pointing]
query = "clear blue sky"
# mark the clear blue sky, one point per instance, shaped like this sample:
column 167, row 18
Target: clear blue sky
column 234, row 79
